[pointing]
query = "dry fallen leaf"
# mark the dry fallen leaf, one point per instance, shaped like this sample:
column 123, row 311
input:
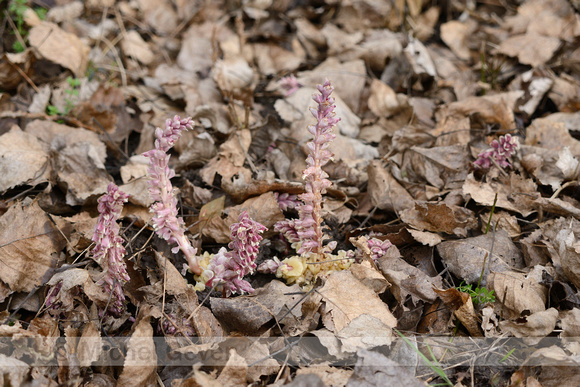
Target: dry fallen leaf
column 466, row 257
column 407, row 279
column 462, row 306
column 375, row 369
column 22, row 160
column 134, row 46
column 539, row 324
column 79, row 159
column 383, row 101
column 503, row 221
column 58, row 46
column 364, row 332
column 29, row 244
column 518, row 293
column 140, row 366
column 13, row 371
column 330, row 376
column 345, row 298
column 514, row 193
column 369, row 276
column 248, row 314
column 230, row 159
column 532, row 49
column 456, row 35
column 552, row 132
column 385, row 192
column 570, row 320
column 234, row 372
column 263, row 209
column 439, row 217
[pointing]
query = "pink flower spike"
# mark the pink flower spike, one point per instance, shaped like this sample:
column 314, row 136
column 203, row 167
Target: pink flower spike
column 109, row 250
column 165, row 221
column 315, row 178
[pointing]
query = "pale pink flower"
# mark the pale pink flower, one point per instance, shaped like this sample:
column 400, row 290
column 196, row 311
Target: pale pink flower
column 287, row 201
column 290, row 84
column 378, row 248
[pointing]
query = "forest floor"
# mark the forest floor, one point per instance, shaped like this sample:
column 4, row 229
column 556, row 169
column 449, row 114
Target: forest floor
column 454, row 201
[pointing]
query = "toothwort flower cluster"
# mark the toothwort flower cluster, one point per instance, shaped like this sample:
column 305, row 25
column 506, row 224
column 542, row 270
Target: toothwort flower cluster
column 308, row 226
column 287, row 201
column 165, row 221
column 378, row 248
column 227, row 269
column 290, row 84
column 500, row 152
column 109, row 250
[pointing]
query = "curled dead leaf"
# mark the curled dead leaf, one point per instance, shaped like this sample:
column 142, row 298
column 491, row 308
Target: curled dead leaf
column 345, row 298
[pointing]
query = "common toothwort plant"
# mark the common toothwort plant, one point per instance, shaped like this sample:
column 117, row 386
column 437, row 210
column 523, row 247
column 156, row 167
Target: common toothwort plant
column 499, row 154
column 226, row 269
column 305, row 233
column 165, row 221
column 109, row 250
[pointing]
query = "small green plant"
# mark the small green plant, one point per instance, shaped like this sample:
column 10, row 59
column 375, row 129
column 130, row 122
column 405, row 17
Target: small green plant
column 479, row 295
column 72, row 92
column 507, row 355
column 17, row 9
column 491, row 68
column 52, row 110
column 434, row 365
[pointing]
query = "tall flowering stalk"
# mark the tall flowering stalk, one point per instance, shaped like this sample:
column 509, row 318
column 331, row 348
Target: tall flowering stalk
column 165, row 221
column 227, row 269
column 500, row 153
column 109, row 250
column 309, row 225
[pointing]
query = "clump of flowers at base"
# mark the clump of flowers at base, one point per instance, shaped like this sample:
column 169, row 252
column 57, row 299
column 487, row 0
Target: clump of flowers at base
column 165, row 221
column 174, row 325
column 225, row 270
column 305, row 233
column 499, row 154
column 109, row 250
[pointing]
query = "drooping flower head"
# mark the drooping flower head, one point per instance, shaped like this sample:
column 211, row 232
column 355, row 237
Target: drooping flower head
column 109, row 250
column 166, row 223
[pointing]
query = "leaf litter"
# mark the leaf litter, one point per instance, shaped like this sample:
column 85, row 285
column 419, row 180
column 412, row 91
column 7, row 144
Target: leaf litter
column 422, row 89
